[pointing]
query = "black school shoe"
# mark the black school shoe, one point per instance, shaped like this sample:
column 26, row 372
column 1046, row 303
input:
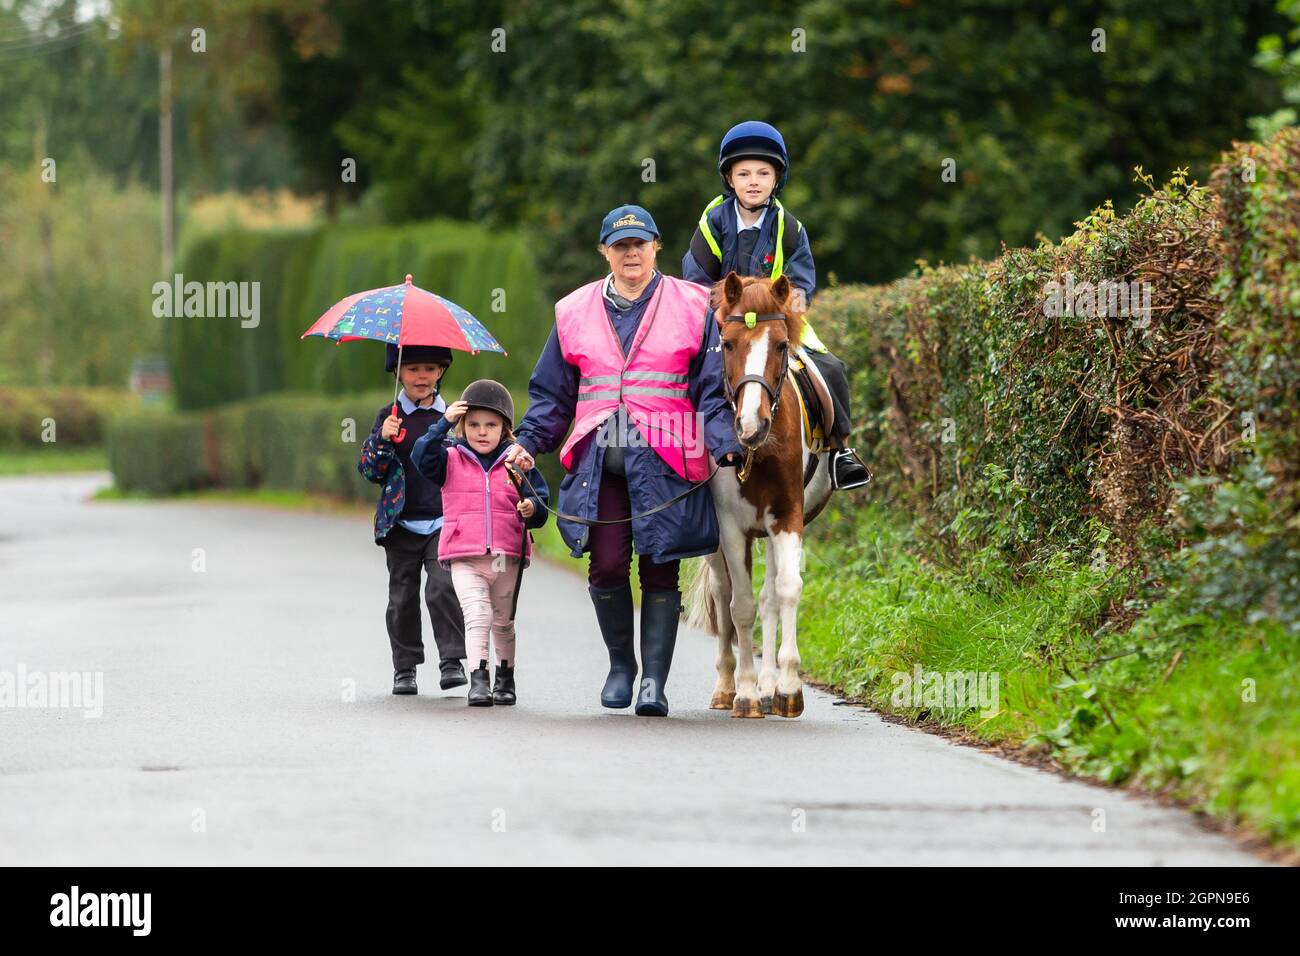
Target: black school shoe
column 480, row 689
column 848, row 470
column 404, row 681
column 504, row 690
column 453, row 675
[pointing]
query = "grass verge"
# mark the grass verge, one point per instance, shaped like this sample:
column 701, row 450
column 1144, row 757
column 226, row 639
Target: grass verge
column 51, row 460
column 1204, row 711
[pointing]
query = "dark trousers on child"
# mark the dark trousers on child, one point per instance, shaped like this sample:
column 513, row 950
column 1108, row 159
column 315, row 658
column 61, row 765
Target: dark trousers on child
column 409, row 553
column 610, row 564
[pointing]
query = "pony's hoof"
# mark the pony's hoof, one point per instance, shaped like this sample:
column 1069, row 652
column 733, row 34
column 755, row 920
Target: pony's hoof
column 722, row 700
column 745, row 707
column 765, row 704
column 788, row 705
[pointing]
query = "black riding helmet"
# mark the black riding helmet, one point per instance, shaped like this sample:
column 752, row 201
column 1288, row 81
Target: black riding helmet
column 434, row 354
column 492, row 395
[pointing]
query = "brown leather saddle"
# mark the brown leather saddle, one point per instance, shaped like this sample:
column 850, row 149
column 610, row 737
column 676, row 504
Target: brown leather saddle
column 814, row 400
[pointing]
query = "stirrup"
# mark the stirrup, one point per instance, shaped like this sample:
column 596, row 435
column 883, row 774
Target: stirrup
column 855, row 483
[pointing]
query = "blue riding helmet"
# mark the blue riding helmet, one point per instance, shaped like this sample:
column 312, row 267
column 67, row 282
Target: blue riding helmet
column 753, row 139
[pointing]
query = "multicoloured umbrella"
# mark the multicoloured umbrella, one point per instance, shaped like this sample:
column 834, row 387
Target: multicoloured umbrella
column 404, row 315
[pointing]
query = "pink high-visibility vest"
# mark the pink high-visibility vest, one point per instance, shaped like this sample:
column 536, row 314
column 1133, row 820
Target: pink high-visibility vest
column 651, row 380
column 478, row 509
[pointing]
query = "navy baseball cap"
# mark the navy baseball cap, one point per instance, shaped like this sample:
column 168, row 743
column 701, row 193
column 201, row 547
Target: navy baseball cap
column 627, row 222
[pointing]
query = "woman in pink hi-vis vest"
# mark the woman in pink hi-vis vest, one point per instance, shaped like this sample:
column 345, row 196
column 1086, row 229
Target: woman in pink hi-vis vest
column 632, row 375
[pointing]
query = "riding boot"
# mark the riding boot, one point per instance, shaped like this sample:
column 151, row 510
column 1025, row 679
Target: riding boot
column 848, row 470
column 614, row 614
column 660, row 615
column 480, row 687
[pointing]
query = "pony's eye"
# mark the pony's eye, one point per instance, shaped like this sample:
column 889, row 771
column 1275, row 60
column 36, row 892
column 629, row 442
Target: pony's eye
column 784, row 347
column 728, row 346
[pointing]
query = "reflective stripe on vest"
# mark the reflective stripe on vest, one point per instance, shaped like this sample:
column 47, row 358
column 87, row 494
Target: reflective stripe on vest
column 651, row 380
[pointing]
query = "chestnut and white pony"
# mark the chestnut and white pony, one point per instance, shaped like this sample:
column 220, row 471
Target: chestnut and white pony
column 764, row 498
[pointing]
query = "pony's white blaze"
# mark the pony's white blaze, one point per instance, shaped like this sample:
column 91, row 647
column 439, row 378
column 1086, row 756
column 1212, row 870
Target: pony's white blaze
column 751, row 393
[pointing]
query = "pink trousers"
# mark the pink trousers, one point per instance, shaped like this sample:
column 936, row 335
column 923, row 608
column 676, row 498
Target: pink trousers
column 485, row 585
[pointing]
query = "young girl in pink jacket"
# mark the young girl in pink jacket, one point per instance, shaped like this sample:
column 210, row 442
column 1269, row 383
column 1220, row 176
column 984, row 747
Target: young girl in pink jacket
column 484, row 537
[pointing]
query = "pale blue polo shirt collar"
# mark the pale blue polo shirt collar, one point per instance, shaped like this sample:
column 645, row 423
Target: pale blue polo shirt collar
column 409, row 406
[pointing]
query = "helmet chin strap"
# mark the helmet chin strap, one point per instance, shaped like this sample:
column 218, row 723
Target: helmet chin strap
column 763, row 205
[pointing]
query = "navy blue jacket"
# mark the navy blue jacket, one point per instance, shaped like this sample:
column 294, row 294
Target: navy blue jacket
column 685, row 529
column 799, row 268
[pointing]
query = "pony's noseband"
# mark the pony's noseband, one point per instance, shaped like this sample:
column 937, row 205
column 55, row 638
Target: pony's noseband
column 774, row 394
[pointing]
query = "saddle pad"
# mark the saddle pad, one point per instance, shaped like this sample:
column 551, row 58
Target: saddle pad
column 805, row 388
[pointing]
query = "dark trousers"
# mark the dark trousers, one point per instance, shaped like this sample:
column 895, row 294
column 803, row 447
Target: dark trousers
column 407, row 553
column 610, row 564
column 837, row 382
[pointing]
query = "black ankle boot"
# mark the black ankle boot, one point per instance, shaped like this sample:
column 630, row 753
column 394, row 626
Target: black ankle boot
column 503, row 692
column 614, row 614
column 848, row 470
column 660, row 614
column 404, row 681
column 453, row 674
column 480, row 686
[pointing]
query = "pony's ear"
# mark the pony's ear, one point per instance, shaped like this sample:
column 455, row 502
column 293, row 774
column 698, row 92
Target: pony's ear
column 732, row 288
column 781, row 289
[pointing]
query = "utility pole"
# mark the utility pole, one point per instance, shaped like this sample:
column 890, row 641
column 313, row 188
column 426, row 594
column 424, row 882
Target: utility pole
column 165, row 159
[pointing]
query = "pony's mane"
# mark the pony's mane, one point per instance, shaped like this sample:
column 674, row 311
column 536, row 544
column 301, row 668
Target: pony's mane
column 756, row 296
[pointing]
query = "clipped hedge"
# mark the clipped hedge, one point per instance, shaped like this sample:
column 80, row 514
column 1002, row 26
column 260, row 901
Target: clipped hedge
column 290, row 441
column 302, row 273
column 286, row 441
column 983, row 411
column 79, row 415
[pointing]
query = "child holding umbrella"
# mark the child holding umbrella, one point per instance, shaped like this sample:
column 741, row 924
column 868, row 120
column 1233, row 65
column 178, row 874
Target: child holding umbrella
column 408, row 519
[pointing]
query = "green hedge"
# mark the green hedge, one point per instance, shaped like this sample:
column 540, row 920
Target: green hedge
column 976, row 404
column 79, row 415
column 1003, row 425
column 289, row 441
column 286, row 441
column 215, row 361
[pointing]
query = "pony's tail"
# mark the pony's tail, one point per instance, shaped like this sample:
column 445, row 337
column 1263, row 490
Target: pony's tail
column 698, row 598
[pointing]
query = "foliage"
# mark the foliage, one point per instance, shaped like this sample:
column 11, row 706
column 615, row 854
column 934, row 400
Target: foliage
column 303, row 272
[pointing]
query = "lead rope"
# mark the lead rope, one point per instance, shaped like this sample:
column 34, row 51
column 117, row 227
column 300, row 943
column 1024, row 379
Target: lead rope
column 591, row 522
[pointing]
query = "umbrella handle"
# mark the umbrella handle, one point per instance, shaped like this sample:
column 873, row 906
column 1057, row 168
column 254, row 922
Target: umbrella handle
column 401, row 434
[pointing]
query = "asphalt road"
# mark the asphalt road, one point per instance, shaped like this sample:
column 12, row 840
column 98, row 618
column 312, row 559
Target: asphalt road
column 246, row 718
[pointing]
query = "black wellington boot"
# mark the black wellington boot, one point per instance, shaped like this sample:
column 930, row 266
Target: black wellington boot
column 503, row 692
column 480, row 686
column 614, row 614
column 660, row 615
column 848, row 470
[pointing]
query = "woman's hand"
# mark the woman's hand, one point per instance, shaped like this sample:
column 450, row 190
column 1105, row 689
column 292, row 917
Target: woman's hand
column 525, row 508
column 519, row 458
column 392, row 425
column 455, row 410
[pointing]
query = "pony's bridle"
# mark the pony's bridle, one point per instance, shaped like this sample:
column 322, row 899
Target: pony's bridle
column 774, row 393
